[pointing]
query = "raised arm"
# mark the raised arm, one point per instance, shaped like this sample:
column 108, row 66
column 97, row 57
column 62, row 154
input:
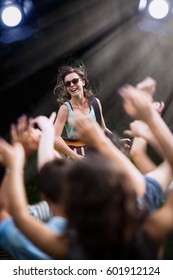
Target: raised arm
column 94, row 136
column 49, row 242
column 46, row 144
column 161, row 173
column 24, row 132
column 139, row 107
column 142, row 136
column 149, row 86
column 140, row 129
column 138, row 154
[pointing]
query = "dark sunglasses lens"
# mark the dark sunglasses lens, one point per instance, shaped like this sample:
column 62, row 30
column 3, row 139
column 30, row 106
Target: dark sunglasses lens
column 67, row 84
column 74, row 81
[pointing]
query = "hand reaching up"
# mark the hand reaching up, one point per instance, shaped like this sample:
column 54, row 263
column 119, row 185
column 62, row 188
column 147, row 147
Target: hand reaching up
column 148, row 85
column 45, row 123
column 12, row 156
column 24, row 132
column 46, row 150
column 159, row 106
column 138, row 129
column 87, row 129
column 136, row 103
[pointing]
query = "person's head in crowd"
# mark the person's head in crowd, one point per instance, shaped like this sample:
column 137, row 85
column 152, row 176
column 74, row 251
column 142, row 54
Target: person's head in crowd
column 51, row 178
column 101, row 207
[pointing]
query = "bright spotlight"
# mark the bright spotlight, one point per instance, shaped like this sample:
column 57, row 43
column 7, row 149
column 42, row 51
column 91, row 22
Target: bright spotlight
column 11, row 16
column 158, row 9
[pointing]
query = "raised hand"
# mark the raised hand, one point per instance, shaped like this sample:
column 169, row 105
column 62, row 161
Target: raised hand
column 138, row 129
column 11, row 156
column 46, row 150
column 148, row 85
column 136, row 103
column 87, row 130
column 45, row 123
column 159, row 106
column 24, row 132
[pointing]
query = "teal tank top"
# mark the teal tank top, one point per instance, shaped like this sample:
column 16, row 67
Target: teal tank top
column 68, row 128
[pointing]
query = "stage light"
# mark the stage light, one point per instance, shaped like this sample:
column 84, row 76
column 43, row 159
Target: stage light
column 11, row 16
column 18, row 20
column 158, row 9
column 15, row 13
column 155, row 16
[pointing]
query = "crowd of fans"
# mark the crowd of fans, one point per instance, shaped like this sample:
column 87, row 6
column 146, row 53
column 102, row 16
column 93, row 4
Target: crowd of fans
column 112, row 202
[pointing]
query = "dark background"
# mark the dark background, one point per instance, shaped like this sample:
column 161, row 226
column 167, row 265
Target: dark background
column 116, row 43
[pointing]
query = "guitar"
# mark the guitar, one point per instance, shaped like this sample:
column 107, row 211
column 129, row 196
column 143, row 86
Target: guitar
column 77, row 146
column 124, row 144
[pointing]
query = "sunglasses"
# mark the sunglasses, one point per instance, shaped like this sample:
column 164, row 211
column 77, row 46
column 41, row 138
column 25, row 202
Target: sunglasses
column 75, row 81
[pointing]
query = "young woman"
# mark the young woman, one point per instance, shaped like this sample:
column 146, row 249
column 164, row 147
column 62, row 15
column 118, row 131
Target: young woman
column 74, row 95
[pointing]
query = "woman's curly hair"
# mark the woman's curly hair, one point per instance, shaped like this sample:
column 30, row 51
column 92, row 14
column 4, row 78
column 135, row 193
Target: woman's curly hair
column 60, row 90
column 102, row 208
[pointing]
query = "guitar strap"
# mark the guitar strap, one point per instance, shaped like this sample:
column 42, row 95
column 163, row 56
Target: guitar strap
column 96, row 108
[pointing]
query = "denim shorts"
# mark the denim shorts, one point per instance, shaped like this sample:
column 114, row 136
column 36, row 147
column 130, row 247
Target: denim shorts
column 154, row 196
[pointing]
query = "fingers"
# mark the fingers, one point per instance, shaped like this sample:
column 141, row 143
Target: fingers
column 148, row 85
column 86, row 129
column 13, row 133
column 17, row 130
column 162, row 106
column 44, row 123
column 128, row 132
column 158, row 106
column 22, row 124
column 52, row 117
column 129, row 93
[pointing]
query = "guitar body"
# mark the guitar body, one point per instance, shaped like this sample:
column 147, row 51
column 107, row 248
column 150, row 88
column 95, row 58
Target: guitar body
column 77, row 146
